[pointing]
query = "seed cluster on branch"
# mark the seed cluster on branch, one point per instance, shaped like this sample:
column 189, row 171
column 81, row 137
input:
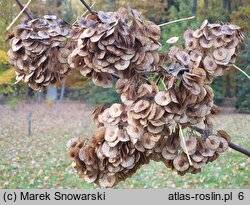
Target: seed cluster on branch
column 212, row 47
column 114, row 42
column 106, row 164
column 150, row 122
column 143, row 126
column 39, row 51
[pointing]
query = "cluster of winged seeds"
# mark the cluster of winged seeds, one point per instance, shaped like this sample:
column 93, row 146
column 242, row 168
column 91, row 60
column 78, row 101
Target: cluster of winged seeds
column 113, row 155
column 115, row 42
column 212, row 48
column 147, row 123
column 39, row 51
column 138, row 130
column 201, row 149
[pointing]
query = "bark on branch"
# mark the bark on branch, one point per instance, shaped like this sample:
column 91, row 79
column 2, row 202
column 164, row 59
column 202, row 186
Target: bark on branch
column 87, row 6
column 230, row 144
column 25, row 11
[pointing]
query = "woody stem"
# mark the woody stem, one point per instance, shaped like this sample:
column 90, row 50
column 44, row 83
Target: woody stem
column 25, row 11
column 230, row 144
column 87, row 6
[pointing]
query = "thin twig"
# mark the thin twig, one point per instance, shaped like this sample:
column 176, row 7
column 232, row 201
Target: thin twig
column 115, row 76
column 24, row 9
column 241, row 71
column 87, row 6
column 85, row 12
column 178, row 20
column 162, row 81
column 185, row 146
column 197, row 129
column 230, row 144
column 239, row 148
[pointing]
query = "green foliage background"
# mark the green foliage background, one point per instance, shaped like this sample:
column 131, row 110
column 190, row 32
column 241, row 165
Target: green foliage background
column 243, row 90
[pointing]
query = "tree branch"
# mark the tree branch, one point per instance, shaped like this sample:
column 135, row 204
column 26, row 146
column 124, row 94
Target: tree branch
column 87, row 6
column 230, row 144
column 25, row 10
column 84, row 12
column 178, row 20
column 239, row 148
column 115, row 76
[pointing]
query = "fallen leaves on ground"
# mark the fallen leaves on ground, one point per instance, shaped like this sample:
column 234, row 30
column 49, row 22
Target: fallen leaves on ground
column 41, row 161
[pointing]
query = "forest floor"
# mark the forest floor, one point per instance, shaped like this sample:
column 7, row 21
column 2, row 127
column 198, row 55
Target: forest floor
column 41, row 160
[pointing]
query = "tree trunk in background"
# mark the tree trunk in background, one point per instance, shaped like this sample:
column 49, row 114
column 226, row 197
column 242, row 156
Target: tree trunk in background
column 194, row 7
column 205, row 8
column 30, row 92
column 225, row 4
column 228, row 92
column 112, row 4
column 174, row 3
column 51, row 93
column 39, row 95
column 229, row 7
column 62, row 92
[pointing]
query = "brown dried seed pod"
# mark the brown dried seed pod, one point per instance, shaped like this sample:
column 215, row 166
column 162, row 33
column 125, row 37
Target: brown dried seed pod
column 212, row 142
column 40, row 58
column 205, row 151
column 197, row 157
column 135, row 131
column 111, row 133
column 87, row 155
column 197, row 33
column 72, row 142
column 107, row 181
column 180, row 163
column 141, row 105
column 155, row 129
column 143, row 127
column 116, row 110
column 198, row 165
column 167, row 155
column 224, row 134
column 191, row 144
column 220, row 54
column 116, row 42
column 188, row 35
column 209, row 64
column 223, row 146
column 183, row 57
column 218, row 42
column 204, row 43
column 147, row 141
column 108, row 151
column 128, row 161
column 90, row 177
column 172, row 40
column 163, row 98
column 204, row 24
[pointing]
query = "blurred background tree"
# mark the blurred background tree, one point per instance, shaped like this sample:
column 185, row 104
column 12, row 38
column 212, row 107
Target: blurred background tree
column 243, row 85
column 230, row 89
